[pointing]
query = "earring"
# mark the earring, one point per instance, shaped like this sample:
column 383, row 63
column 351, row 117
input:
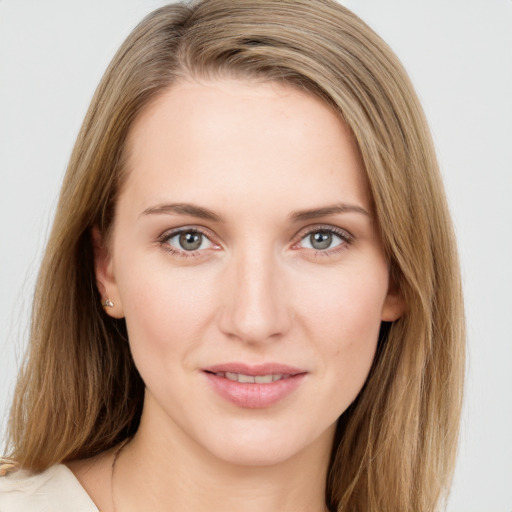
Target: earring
column 108, row 303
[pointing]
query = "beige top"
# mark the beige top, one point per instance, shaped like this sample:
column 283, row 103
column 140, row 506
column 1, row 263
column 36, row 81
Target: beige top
column 54, row 490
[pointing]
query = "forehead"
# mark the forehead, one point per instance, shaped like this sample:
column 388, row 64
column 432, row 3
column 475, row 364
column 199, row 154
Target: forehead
column 227, row 137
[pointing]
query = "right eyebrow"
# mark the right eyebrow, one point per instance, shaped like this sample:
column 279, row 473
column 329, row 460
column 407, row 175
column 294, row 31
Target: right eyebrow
column 183, row 209
column 324, row 211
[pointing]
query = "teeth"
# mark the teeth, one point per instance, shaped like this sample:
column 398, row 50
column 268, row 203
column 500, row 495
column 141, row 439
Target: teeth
column 263, row 379
column 245, row 378
column 258, row 379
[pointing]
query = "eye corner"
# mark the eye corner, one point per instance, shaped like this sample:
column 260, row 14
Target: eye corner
column 329, row 235
column 201, row 241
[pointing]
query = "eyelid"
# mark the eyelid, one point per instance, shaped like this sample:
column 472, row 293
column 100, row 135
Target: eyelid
column 170, row 233
column 343, row 234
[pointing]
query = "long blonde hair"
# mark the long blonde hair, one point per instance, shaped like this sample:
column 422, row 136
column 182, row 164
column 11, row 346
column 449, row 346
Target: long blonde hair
column 79, row 392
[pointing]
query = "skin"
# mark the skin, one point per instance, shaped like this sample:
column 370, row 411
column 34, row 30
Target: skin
column 257, row 290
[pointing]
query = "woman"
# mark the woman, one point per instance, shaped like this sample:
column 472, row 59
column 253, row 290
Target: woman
column 255, row 296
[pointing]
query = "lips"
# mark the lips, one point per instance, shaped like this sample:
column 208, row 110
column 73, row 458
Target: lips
column 252, row 379
column 254, row 387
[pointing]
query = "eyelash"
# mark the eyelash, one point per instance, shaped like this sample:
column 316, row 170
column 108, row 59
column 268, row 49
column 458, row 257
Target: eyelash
column 164, row 238
column 346, row 240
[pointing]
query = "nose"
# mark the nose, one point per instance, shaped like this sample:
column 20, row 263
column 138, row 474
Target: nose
column 254, row 303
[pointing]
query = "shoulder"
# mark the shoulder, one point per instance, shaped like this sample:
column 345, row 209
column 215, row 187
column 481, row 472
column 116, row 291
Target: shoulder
column 53, row 490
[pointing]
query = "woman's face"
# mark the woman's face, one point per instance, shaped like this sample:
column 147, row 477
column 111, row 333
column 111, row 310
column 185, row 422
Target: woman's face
column 246, row 261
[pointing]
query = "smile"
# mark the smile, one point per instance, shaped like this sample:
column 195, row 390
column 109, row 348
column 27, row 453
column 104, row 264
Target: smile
column 254, row 387
column 251, row 379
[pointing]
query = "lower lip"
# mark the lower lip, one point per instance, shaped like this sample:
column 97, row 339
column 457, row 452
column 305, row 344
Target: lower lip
column 252, row 395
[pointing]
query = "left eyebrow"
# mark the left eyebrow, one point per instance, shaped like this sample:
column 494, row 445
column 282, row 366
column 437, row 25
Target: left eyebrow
column 315, row 213
column 183, row 209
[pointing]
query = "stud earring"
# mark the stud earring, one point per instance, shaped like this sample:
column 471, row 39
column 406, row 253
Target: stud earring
column 108, row 303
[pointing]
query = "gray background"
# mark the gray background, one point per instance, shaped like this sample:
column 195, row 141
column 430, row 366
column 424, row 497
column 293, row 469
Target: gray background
column 459, row 55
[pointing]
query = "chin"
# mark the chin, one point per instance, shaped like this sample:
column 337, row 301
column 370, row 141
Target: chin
column 270, row 448
column 257, row 455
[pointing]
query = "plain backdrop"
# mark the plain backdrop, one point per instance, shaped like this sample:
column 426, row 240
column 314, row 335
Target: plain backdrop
column 459, row 55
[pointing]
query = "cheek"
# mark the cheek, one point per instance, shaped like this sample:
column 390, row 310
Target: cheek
column 344, row 317
column 164, row 309
column 350, row 302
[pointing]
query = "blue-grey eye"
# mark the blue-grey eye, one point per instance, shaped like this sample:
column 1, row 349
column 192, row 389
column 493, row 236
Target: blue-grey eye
column 189, row 241
column 321, row 240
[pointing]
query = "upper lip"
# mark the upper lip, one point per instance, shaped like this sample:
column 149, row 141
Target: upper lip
column 256, row 369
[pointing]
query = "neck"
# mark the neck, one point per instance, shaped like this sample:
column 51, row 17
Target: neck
column 165, row 473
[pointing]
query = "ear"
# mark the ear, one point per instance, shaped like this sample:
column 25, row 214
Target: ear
column 105, row 277
column 394, row 304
